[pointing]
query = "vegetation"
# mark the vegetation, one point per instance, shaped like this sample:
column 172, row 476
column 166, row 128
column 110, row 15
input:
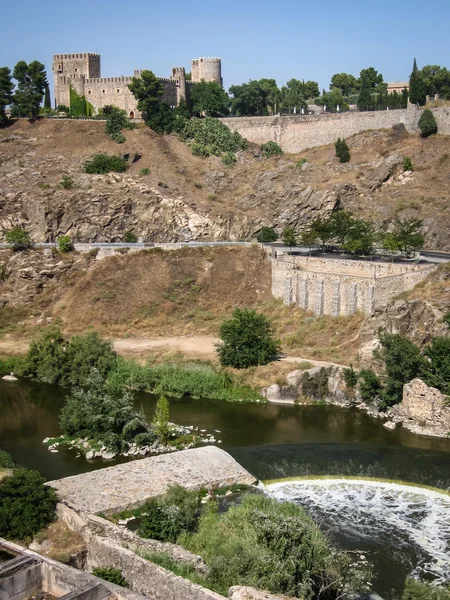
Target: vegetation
column 229, row 159
column 209, row 99
column 406, row 237
column 417, row 93
column 350, row 377
column 103, row 163
column 112, row 575
column 162, row 419
column 6, row 92
column 18, row 238
column 427, row 123
column 79, row 106
column 417, row 590
column 209, row 136
column 67, row 182
column 65, row 244
column 144, row 171
column 116, row 120
column 247, row 340
column 436, row 372
column 370, row 386
column 266, row 235
column 6, row 461
column 26, row 504
column 31, row 84
column 271, row 149
column 342, row 150
column 316, row 385
column 407, row 164
column 288, row 237
column 130, row 237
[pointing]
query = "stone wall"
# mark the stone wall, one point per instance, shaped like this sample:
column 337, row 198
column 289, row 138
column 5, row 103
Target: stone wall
column 329, row 286
column 296, row 133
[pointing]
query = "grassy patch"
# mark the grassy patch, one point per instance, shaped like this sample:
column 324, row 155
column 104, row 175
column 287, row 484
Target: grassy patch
column 165, row 561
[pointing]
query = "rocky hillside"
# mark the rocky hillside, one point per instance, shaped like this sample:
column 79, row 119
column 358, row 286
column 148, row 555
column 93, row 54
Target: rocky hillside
column 186, row 197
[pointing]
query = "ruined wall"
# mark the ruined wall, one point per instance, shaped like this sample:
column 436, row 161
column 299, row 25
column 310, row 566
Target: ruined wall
column 295, row 133
column 341, row 287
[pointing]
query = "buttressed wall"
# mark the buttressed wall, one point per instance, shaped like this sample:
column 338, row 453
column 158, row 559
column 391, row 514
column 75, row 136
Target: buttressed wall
column 82, row 73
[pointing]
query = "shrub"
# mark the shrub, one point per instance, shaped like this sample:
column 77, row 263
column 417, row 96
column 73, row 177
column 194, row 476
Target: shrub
column 144, row 171
column 370, row 386
column 342, row 150
column 210, row 136
column 66, row 182
column 18, row 238
column 417, row 590
column 116, row 120
column 288, row 237
column 103, row 163
column 229, row 159
column 6, row 461
column 130, row 238
column 350, row 377
column 301, row 162
column 271, row 149
column 26, row 504
column 63, row 108
column 315, row 385
column 436, row 370
column 427, row 123
column 65, row 244
column 267, row 234
column 407, row 164
column 145, row 439
column 161, row 419
column 247, row 340
column 112, row 575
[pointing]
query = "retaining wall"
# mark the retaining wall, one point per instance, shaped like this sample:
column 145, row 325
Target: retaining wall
column 296, row 133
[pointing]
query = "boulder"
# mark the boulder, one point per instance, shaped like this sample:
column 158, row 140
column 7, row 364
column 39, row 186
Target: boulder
column 384, row 170
column 273, row 393
column 90, row 454
column 294, row 378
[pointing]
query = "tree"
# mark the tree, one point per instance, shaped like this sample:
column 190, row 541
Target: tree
column 342, row 150
column 266, row 235
column 365, row 98
column 273, row 93
column 18, row 238
column 288, row 237
column 360, row 237
column 332, row 100
column 319, row 229
column 47, row 99
column 26, row 504
column 427, row 123
column 31, row 82
column 116, row 120
column 437, row 368
column 6, row 95
column 148, row 90
column 247, row 340
column 208, row 98
column 348, row 84
column 406, row 237
column 161, row 419
column 417, row 94
column 375, row 79
column 293, row 95
column 311, row 89
column 340, row 222
column 249, row 99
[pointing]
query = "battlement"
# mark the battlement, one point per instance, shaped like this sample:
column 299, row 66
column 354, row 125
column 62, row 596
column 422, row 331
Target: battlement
column 70, row 56
column 94, row 80
column 207, row 59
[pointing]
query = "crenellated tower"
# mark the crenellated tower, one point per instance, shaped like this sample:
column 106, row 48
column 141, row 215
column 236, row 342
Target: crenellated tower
column 72, row 70
column 179, row 76
column 208, row 69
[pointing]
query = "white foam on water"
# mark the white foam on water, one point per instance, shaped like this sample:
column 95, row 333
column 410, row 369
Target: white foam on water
column 368, row 509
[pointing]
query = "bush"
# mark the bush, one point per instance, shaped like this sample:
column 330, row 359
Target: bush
column 271, row 149
column 247, row 340
column 65, row 244
column 112, row 575
column 316, row 385
column 18, row 238
column 6, row 461
column 350, row 377
column 407, row 164
column 161, row 419
column 66, row 182
column 229, row 159
column 342, row 150
column 210, row 136
column 26, row 504
column 370, row 386
column 103, row 163
column 130, row 238
column 144, row 171
column 267, row 234
column 436, row 372
column 116, row 120
column 301, row 162
column 417, row 590
column 145, row 439
column 427, row 123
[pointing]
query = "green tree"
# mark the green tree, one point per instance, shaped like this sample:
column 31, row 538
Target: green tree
column 247, row 340
column 6, row 92
column 288, row 237
column 348, row 84
column 148, row 90
column 332, row 100
column 342, row 150
column 319, row 229
column 374, row 79
column 311, row 89
column 161, row 419
column 31, row 82
column 427, row 123
column 293, row 95
column 209, row 99
column 116, row 120
column 360, row 238
column 417, row 94
column 47, row 99
column 273, row 94
column 266, row 235
column 406, row 237
column 26, row 505
column 249, row 99
column 340, row 222
column 365, row 99
column 18, row 238
column 370, row 386
column 437, row 367
column 65, row 244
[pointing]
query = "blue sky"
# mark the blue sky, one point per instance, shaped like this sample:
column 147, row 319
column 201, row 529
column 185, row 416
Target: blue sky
column 255, row 39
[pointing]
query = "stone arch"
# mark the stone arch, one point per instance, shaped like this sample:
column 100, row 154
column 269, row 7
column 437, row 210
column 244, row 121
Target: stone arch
column 131, row 114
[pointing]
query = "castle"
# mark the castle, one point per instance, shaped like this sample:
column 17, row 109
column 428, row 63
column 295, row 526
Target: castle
column 82, row 73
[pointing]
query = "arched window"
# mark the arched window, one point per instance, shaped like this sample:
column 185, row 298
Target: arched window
column 131, row 115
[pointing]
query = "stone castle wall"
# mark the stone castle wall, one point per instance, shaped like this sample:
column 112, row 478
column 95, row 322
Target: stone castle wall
column 296, row 133
column 341, row 287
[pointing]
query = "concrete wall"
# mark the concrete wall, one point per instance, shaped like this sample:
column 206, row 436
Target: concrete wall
column 341, row 287
column 295, row 133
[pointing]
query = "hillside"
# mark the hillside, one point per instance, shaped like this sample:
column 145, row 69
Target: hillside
column 186, row 197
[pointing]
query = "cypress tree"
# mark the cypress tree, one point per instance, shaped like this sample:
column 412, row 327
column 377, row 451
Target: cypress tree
column 47, row 101
column 342, row 150
column 365, row 97
column 417, row 93
column 6, row 89
column 405, row 96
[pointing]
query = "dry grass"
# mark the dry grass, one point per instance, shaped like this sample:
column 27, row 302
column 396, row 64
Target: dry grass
column 59, row 542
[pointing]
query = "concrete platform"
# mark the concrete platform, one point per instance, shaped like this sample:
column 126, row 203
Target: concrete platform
column 128, row 485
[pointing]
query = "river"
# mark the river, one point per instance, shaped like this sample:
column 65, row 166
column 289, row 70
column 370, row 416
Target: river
column 278, row 441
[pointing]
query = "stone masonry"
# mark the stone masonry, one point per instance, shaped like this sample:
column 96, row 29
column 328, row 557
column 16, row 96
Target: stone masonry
column 129, row 485
column 329, row 286
column 82, row 73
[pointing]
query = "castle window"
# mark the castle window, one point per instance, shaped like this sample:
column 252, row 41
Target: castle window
column 118, row 90
column 89, row 91
column 103, row 91
column 76, row 70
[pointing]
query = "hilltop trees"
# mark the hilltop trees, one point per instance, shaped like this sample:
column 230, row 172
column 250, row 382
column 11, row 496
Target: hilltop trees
column 249, row 99
column 6, row 89
column 148, row 91
column 417, row 93
column 31, row 84
column 209, row 99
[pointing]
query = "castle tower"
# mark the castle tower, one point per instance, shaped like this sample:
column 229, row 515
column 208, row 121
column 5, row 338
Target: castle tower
column 179, row 76
column 71, row 70
column 209, row 69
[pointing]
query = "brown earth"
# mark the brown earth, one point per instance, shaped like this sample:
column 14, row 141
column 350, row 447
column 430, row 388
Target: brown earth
column 186, row 197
